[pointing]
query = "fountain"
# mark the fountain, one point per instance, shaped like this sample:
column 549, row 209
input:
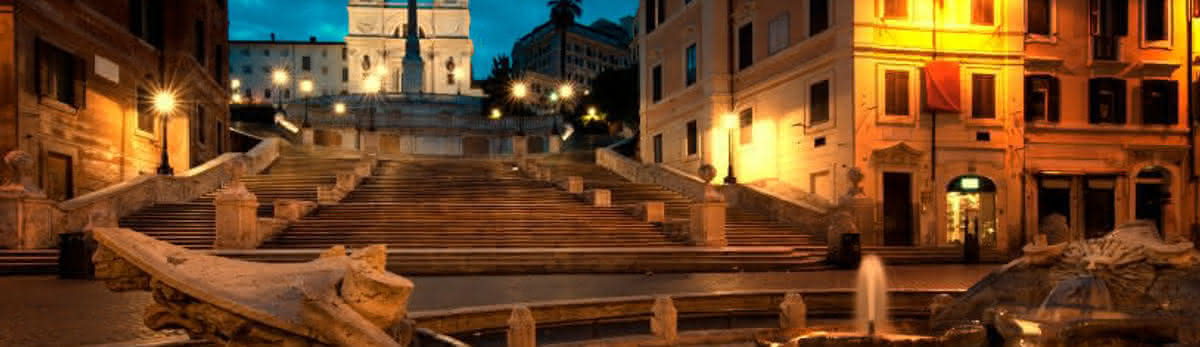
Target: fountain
column 871, row 301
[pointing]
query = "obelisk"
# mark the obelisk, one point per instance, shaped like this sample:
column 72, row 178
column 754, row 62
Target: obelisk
column 414, row 66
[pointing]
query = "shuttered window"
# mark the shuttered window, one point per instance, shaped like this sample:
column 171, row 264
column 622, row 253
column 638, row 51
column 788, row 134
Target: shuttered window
column 779, row 33
column 895, row 9
column 60, row 75
column 656, row 81
column 690, row 64
column 1038, row 16
column 983, row 12
column 745, row 46
column 896, row 93
column 819, row 103
column 1106, row 101
column 983, row 96
column 1041, row 98
column 1160, row 102
column 1155, row 25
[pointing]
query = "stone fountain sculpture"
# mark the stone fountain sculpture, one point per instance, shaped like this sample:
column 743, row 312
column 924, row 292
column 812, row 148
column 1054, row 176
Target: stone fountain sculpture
column 1129, row 286
column 337, row 299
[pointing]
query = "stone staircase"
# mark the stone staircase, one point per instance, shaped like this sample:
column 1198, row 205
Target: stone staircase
column 295, row 175
column 26, row 262
column 743, row 227
column 465, row 203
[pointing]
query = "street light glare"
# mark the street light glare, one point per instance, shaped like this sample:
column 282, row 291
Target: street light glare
column 380, row 70
column 495, row 114
column 520, row 90
column 371, row 84
column 164, row 102
column 306, row 86
column 339, row 108
column 566, row 91
column 280, row 76
column 730, row 120
column 235, row 83
column 237, row 98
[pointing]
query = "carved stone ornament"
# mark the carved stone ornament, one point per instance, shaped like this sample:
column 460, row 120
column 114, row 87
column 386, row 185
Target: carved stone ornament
column 19, row 165
column 333, row 300
column 236, row 169
column 707, row 172
column 855, row 176
column 900, row 154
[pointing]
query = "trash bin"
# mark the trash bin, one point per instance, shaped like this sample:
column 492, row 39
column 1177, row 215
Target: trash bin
column 849, row 253
column 971, row 248
column 75, row 256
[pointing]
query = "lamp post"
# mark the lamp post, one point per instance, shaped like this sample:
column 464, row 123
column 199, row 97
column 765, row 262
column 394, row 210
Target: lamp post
column 731, row 122
column 306, row 88
column 280, row 78
column 519, row 91
column 371, row 86
column 565, row 92
column 164, row 104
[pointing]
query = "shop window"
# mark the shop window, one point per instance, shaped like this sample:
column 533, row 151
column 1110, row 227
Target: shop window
column 1099, row 206
column 1152, row 194
column 1054, row 208
column 971, row 210
column 1160, row 102
column 1041, row 98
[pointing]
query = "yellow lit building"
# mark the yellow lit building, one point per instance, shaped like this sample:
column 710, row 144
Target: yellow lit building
column 929, row 98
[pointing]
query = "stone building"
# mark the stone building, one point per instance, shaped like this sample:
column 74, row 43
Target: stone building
column 591, row 49
column 966, row 117
column 79, row 75
column 376, row 45
column 251, row 64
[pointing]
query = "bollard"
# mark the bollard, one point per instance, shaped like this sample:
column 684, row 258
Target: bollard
column 654, row 211
column 600, row 197
column 664, row 320
column 522, row 329
column 793, row 314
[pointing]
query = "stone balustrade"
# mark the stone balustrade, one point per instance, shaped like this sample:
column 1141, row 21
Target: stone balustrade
column 346, row 181
column 599, row 197
column 29, row 221
column 689, row 185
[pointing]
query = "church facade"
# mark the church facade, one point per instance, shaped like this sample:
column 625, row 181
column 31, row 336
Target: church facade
column 376, row 45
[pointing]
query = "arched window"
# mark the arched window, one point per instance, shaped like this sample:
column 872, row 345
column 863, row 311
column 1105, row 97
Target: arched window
column 971, row 209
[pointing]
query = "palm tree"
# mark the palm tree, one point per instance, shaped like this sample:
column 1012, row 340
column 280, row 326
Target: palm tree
column 563, row 14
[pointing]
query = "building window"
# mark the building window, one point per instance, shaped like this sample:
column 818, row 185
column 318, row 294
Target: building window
column 146, row 21
column 693, row 139
column 746, row 126
column 690, row 63
column 650, row 15
column 895, row 9
column 246, row 69
column 1108, row 21
column 344, row 54
column 1106, row 101
column 145, row 111
column 983, row 12
column 818, row 95
column 1038, row 17
column 745, row 46
column 1041, row 98
column 658, row 158
column 266, row 52
column 283, row 52
column 1155, row 23
column 199, row 42
column 306, row 63
column 1160, row 102
column 895, row 90
column 779, row 33
column 818, row 16
column 656, row 83
column 219, row 62
column 60, row 75
column 983, row 96
column 345, row 74
column 201, row 126
column 661, row 12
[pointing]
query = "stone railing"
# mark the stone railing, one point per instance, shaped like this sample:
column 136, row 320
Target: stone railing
column 105, row 206
column 681, row 182
column 777, row 207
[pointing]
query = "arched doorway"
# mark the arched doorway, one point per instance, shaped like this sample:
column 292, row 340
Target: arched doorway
column 535, row 144
column 475, row 146
column 1152, row 194
column 971, row 208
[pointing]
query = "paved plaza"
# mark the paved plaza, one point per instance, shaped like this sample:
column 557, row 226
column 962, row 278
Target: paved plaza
column 46, row 311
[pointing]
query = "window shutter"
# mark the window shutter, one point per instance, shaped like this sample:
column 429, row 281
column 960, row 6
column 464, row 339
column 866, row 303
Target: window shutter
column 1172, row 115
column 1118, row 86
column 80, row 78
column 42, row 68
column 1053, row 102
column 1029, row 110
column 1094, row 86
column 1119, row 12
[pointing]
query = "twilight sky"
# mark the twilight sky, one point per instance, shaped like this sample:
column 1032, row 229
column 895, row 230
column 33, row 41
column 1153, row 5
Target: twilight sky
column 495, row 24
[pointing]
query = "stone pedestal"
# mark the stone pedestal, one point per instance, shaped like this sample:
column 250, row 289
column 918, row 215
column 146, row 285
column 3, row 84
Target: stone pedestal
column 707, row 227
column 370, row 141
column 573, row 184
column 519, row 147
column 237, row 219
column 663, row 324
column 555, row 144
column 291, row 210
column 863, row 210
column 599, row 197
column 653, row 211
column 522, row 329
column 306, row 136
column 793, row 313
column 26, row 220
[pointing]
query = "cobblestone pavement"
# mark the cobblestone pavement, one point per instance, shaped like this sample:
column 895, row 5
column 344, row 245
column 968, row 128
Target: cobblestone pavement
column 46, row 311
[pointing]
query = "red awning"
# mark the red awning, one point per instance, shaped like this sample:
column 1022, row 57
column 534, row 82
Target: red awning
column 942, row 87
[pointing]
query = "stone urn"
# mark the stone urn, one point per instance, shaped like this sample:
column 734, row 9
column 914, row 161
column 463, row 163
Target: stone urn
column 707, row 173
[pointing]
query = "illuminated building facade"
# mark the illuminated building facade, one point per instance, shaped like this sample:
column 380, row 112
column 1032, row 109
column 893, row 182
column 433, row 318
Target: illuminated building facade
column 972, row 117
column 252, row 64
column 78, row 79
column 376, row 45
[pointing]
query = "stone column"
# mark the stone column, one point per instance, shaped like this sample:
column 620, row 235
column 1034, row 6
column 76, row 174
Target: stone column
column 600, row 197
column 707, row 224
column 237, row 218
column 522, row 329
column 555, row 143
column 306, row 136
column 519, row 146
column 26, row 215
column 663, row 324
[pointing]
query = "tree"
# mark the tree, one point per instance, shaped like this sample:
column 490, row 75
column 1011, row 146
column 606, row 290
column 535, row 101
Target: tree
column 497, row 86
column 563, row 14
column 614, row 93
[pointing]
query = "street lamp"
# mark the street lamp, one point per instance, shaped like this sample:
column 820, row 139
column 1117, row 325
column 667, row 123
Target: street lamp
column 306, row 88
column 566, row 91
column 280, row 78
column 164, row 104
column 339, row 108
column 237, row 98
column 495, row 114
column 731, row 122
column 520, row 90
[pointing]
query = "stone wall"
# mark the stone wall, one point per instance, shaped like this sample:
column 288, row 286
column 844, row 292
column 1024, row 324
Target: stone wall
column 105, row 206
column 777, row 207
